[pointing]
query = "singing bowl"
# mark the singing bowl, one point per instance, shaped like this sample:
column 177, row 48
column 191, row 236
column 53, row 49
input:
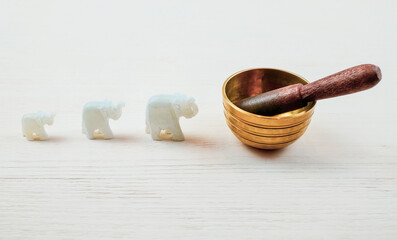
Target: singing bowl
column 264, row 132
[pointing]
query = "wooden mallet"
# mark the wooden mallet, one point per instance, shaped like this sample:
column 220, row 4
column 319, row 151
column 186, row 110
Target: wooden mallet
column 295, row 96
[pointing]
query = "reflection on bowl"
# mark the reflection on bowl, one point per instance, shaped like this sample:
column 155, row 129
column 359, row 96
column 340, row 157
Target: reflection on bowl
column 264, row 132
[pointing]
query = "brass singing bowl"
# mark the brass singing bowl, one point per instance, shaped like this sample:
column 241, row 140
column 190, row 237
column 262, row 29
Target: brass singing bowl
column 264, row 132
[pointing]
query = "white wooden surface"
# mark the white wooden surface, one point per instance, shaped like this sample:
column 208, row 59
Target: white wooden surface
column 339, row 181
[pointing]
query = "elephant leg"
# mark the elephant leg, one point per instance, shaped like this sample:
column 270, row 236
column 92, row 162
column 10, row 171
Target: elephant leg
column 29, row 136
column 147, row 128
column 107, row 132
column 155, row 132
column 83, row 128
column 177, row 134
column 89, row 132
column 42, row 134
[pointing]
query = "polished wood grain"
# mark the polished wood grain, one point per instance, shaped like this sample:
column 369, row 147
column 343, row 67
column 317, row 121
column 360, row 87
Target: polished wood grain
column 351, row 80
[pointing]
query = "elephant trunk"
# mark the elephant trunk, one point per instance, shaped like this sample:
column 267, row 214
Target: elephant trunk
column 194, row 108
column 120, row 105
column 51, row 119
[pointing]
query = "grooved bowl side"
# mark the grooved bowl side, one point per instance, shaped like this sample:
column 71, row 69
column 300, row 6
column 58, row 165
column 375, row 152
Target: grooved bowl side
column 265, row 132
column 266, row 139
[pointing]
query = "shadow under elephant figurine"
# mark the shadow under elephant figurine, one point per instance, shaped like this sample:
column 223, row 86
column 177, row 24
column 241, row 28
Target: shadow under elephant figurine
column 96, row 118
column 163, row 113
column 33, row 125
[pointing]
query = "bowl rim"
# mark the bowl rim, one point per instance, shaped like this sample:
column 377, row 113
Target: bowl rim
column 279, row 116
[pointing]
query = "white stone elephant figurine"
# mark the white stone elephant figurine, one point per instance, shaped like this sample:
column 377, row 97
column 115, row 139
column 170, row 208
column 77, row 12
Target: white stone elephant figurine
column 96, row 118
column 33, row 125
column 163, row 113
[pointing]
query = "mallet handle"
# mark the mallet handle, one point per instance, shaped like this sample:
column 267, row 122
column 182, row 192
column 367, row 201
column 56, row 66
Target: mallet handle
column 295, row 96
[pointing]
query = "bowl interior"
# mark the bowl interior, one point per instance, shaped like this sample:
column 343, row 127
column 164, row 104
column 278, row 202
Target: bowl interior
column 256, row 81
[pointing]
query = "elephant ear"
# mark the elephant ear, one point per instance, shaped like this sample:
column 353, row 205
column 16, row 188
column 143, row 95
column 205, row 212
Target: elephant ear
column 176, row 104
column 120, row 105
column 39, row 121
column 177, row 108
column 39, row 118
column 190, row 100
column 103, row 110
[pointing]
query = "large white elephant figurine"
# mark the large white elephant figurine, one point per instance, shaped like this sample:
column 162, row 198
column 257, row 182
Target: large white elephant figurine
column 33, row 125
column 96, row 118
column 163, row 113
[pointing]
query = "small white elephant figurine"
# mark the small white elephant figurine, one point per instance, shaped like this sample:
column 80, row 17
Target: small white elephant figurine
column 163, row 113
column 33, row 125
column 96, row 118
